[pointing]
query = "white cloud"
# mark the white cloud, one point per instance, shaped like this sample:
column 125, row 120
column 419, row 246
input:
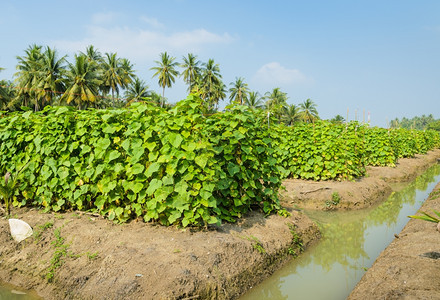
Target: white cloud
column 142, row 45
column 274, row 74
column 153, row 22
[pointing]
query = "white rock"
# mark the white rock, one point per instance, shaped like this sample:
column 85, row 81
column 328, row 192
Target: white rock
column 20, row 230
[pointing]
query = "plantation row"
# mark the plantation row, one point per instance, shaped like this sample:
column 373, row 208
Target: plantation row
column 178, row 166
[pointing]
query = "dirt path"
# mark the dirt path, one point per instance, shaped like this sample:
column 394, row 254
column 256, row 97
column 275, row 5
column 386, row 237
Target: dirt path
column 409, row 268
column 87, row 257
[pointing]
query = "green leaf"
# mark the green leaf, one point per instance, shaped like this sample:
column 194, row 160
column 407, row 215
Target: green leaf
column 153, row 186
column 137, row 168
column 175, row 139
column 153, row 168
column 137, row 187
column 114, row 154
column 233, row 169
column 201, row 160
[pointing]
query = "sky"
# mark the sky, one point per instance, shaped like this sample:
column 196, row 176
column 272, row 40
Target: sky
column 355, row 58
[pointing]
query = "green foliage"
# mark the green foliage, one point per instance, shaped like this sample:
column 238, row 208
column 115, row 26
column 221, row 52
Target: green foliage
column 171, row 166
column 427, row 217
column 177, row 166
column 378, row 150
column 319, row 151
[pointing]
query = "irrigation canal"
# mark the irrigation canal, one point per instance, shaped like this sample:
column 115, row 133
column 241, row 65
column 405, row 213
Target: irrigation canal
column 351, row 241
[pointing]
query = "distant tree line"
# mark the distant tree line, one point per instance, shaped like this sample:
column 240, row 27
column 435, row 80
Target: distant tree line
column 419, row 122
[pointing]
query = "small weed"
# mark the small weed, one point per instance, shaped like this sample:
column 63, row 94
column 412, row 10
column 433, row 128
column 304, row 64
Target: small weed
column 176, row 251
column 92, row 256
column 57, row 258
column 297, row 242
column 427, row 217
column 435, row 194
column 39, row 231
column 335, row 200
column 284, row 213
column 256, row 244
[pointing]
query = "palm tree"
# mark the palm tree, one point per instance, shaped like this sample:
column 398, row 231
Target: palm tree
column 27, row 76
column 83, row 82
column 291, row 115
column 191, row 70
column 136, row 91
column 112, row 75
column 308, row 111
column 239, row 90
column 339, row 119
column 254, row 101
column 276, row 102
column 50, row 76
column 166, row 72
column 211, row 82
column 127, row 72
column 218, row 93
column 93, row 54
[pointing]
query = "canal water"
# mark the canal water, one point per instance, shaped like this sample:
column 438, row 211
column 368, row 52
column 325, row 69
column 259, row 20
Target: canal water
column 10, row 292
column 351, row 241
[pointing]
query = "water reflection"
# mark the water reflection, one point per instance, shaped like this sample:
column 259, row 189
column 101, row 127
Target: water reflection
column 350, row 243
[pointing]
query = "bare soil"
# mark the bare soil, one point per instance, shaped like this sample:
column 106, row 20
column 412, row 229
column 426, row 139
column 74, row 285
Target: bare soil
column 143, row 261
column 96, row 259
column 409, row 268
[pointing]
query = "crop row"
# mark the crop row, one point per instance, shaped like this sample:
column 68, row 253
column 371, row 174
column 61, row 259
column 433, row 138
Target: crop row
column 180, row 167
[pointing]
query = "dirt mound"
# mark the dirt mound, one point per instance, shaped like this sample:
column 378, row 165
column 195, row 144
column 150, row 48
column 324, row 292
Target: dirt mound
column 91, row 258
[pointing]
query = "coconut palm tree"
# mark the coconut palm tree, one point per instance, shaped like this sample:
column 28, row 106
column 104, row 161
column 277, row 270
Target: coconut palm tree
column 136, row 91
column 254, row 100
column 4, row 99
column 27, row 76
column 309, row 113
column 127, row 72
column 166, row 72
column 83, row 83
column 191, row 70
column 50, row 81
column 93, row 54
column 211, row 82
column 338, row 119
column 238, row 90
column 112, row 75
column 276, row 102
column 291, row 115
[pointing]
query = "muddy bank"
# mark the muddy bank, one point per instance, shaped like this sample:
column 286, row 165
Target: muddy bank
column 364, row 192
column 409, row 267
column 101, row 260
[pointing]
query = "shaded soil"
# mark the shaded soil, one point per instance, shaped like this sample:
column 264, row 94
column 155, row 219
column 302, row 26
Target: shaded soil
column 96, row 259
column 409, row 268
column 375, row 187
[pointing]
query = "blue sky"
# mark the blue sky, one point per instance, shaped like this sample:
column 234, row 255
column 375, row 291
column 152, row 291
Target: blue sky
column 381, row 57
